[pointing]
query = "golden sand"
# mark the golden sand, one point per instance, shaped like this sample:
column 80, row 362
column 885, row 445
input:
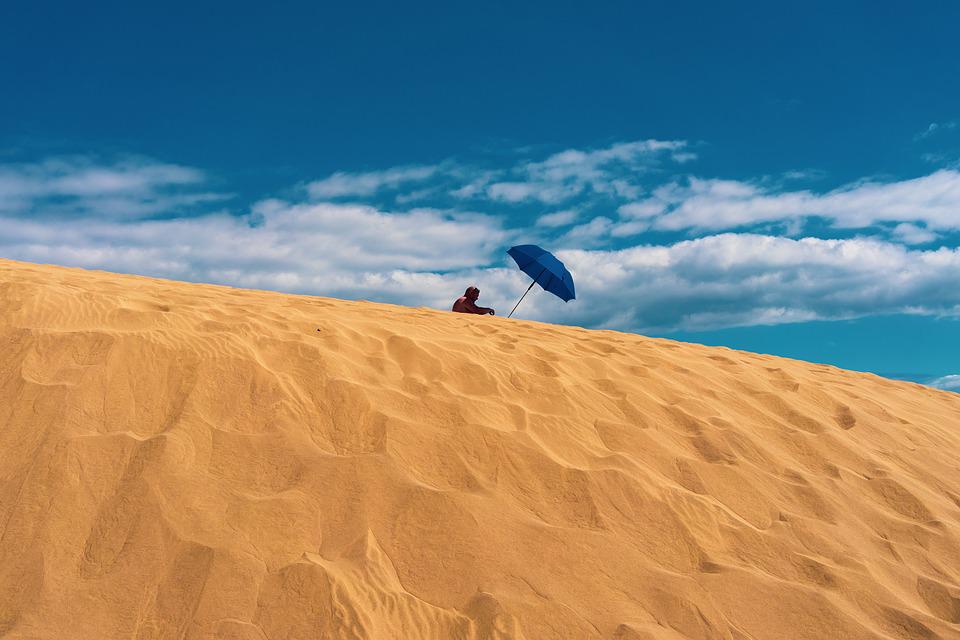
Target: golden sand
column 192, row 461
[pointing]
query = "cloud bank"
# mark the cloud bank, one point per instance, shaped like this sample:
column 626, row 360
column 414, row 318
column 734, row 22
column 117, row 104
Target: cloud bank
column 449, row 225
column 947, row 383
column 129, row 188
column 727, row 204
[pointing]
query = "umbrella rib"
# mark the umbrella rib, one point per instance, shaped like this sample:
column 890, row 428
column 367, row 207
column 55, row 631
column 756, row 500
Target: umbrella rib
column 559, row 282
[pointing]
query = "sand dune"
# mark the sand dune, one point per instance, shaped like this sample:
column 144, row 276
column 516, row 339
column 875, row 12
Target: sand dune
column 192, row 461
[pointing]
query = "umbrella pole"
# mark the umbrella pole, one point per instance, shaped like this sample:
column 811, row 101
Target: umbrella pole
column 522, row 297
column 526, row 292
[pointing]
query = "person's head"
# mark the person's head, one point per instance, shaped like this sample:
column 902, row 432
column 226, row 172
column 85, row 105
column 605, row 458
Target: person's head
column 472, row 293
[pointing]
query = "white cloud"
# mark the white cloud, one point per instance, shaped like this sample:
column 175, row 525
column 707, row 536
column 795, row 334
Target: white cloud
column 363, row 237
column 912, row 234
column 547, row 192
column 588, row 166
column 476, row 186
column 944, row 160
column 803, row 174
column 587, row 234
column 342, row 184
column 325, row 248
column 714, row 204
column 425, row 255
column 610, row 171
column 644, row 209
column 73, row 186
column 948, row 383
column 558, row 218
column 80, row 176
column 630, row 228
column 933, row 127
column 416, row 196
column 743, row 279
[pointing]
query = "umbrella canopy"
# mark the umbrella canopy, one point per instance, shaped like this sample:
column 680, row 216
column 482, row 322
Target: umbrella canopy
column 545, row 269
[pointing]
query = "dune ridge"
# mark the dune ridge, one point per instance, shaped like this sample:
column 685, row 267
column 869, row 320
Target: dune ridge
column 193, row 461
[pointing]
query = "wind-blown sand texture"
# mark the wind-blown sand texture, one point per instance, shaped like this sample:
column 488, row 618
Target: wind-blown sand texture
column 192, row 461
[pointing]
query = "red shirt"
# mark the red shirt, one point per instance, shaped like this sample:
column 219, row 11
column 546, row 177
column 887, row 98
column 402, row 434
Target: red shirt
column 466, row 305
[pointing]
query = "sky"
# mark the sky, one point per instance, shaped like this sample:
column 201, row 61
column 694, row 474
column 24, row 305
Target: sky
column 782, row 179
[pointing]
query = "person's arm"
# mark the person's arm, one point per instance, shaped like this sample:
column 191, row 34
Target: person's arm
column 473, row 308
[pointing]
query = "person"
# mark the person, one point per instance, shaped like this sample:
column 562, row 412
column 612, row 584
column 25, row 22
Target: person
column 467, row 303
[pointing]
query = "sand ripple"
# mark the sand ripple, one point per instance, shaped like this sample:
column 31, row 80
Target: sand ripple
column 190, row 461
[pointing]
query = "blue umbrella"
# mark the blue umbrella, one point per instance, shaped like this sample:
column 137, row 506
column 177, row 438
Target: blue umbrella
column 545, row 269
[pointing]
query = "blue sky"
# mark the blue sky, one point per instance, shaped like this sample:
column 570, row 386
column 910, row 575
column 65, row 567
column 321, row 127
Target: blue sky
column 781, row 179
